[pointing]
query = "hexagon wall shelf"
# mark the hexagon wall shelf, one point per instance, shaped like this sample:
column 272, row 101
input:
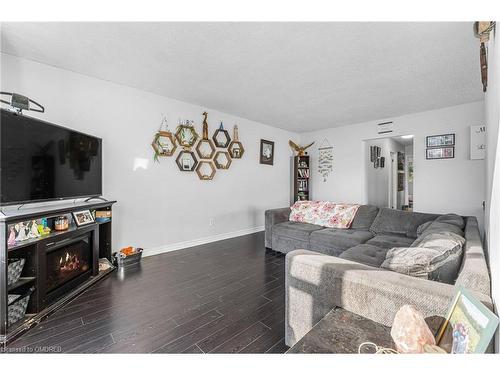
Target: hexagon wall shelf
column 222, row 160
column 221, row 138
column 186, row 161
column 205, row 170
column 205, row 149
column 186, row 135
column 236, row 149
column 164, row 144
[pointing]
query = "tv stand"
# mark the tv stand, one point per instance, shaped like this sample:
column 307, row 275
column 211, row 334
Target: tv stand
column 48, row 293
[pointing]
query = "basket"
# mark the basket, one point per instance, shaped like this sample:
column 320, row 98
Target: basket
column 17, row 306
column 14, row 270
column 122, row 260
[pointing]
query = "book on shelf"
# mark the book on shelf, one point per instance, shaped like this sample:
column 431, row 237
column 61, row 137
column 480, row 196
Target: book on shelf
column 303, row 173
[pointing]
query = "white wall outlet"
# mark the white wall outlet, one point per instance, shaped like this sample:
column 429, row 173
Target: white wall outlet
column 211, row 221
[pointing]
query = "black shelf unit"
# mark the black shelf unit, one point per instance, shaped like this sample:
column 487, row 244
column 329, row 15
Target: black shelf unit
column 301, row 178
column 42, row 302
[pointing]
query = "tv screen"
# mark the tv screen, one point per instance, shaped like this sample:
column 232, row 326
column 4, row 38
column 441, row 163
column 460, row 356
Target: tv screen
column 42, row 161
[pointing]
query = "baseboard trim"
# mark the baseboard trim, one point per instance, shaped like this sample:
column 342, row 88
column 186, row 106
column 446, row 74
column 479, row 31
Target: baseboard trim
column 200, row 241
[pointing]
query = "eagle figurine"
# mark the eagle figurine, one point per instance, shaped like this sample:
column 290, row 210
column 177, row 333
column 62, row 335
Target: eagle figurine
column 300, row 150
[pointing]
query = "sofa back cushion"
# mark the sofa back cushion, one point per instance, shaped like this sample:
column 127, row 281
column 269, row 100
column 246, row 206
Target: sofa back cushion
column 326, row 214
column 364, row 217
column 403, row 223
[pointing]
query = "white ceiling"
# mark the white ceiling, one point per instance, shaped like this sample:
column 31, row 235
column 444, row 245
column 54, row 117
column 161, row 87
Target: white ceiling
column 297, row 76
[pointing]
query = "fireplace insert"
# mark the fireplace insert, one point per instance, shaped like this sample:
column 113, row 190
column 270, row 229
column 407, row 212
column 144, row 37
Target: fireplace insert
column 67, row 261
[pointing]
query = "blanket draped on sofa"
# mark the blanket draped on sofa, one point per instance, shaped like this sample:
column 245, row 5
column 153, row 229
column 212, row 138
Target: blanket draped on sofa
column 326, row 214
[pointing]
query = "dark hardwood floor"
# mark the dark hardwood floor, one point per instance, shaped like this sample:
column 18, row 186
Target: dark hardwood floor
column 223, row 297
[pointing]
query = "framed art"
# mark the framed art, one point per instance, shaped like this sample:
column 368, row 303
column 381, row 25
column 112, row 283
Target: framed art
column 83, row 217
column 469, row 325
column 266, row 152
column 440, row 153
column 440, row 140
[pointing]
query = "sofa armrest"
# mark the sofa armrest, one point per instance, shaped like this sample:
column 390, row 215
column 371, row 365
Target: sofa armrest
column 274, row 216
column 316, row 283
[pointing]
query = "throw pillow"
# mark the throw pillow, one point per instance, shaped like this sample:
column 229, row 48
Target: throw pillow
column 435, row 256
column 422, row 227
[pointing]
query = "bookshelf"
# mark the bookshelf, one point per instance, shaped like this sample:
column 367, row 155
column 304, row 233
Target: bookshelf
column 301, row 178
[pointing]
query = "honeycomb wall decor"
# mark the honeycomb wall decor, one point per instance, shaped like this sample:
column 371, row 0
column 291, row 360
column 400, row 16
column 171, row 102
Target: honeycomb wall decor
column 186, row 135
column 205, row 147
column 202, row 155
column 222, row 160
column 205, row 170
column 186, row 161
column 235, row 148
column 221, row 137
column 164, row 144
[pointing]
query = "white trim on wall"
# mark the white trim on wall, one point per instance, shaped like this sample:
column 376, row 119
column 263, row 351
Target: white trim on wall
column 200, row 241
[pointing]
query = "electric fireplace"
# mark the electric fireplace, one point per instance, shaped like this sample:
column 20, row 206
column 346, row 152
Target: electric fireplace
column 68, row 261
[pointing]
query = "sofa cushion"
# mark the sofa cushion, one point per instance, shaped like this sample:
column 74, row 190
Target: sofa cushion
column 386, row 241
column 340, row 239
column 364, row 217
column 437, row 227
column 365, row 254
column 434, row 255
column 291, row 229
column 444, row 223
column 403, row 223
column 452, row 219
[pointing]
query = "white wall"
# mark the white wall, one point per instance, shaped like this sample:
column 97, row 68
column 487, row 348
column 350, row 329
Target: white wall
column 157, row 204
column 453, row 185
column 492, row 107
column 377, row 183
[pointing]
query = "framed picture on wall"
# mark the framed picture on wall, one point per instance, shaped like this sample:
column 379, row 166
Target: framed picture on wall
column 440, row 153
column 266, row 152
column 440, row 140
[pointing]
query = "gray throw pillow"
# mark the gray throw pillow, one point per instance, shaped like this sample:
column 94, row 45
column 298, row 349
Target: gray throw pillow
column 422, row 227
column 452, row 219
column 435, row 256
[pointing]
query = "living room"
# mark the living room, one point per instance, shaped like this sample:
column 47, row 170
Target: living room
column 244, row 187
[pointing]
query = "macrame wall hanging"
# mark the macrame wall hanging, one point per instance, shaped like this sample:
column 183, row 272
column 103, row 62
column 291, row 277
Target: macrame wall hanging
column 325, row 159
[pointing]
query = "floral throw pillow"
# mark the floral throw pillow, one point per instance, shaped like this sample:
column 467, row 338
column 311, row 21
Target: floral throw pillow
column 326, row 214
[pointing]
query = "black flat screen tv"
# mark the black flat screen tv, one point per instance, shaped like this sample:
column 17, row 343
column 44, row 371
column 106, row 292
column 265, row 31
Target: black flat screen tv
column 41, row 161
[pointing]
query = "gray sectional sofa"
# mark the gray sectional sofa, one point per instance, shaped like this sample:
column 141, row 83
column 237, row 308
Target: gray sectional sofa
column 328, row 267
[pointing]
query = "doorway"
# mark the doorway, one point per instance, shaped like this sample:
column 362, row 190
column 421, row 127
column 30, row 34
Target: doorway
column 389, row 172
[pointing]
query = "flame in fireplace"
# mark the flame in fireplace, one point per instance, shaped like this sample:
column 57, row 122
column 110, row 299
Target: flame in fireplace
column 69, row 262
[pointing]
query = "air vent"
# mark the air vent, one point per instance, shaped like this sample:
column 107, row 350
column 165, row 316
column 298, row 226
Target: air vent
column 385, row 127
